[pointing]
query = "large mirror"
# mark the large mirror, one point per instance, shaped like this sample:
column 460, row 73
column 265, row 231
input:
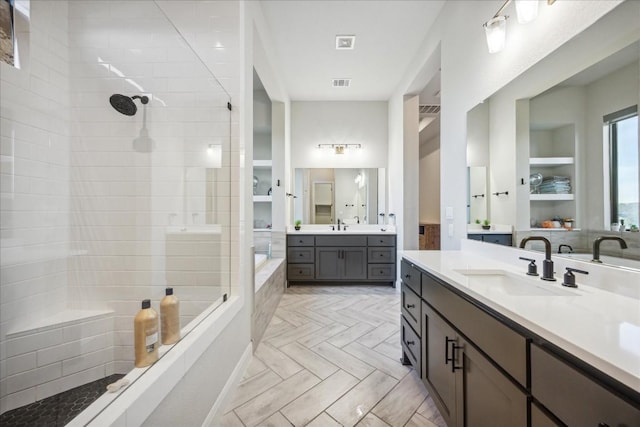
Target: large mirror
column 477, row 194
column 352, row 195
column 576, row 149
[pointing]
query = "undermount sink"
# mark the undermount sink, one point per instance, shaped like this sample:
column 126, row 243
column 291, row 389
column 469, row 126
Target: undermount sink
column 491, row 281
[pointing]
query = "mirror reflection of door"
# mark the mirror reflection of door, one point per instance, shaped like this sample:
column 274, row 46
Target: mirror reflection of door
column 322, row 206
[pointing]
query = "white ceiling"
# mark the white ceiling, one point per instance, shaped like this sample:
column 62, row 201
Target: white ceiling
column 388, row 35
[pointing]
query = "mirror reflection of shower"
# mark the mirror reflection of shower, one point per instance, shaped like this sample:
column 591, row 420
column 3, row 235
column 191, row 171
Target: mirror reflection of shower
column 126, row 105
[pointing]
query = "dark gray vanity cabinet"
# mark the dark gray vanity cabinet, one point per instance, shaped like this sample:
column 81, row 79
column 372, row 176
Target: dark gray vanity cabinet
column 337, row 263
column 500, row 239
column 573, row 397
column 484, row 369
column 344, row 258
column 468, row 388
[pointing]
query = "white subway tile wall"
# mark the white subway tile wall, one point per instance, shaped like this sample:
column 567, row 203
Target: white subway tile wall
column 89, row 213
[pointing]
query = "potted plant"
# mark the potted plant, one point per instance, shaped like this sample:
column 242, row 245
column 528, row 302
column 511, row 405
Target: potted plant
column 296, row 224
column 486, row 224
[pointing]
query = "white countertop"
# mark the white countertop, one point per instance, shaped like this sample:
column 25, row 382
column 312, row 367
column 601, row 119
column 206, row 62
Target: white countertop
column 600, row 327
column 495, row 229
column 325, row 229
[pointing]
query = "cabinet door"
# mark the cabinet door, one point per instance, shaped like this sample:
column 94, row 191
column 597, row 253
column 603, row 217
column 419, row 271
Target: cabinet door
column 327, row 263
column 484, row 395
column 437, row 337
column 354, row 263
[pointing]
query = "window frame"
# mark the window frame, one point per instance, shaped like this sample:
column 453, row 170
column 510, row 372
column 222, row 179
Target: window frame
column 611, row 121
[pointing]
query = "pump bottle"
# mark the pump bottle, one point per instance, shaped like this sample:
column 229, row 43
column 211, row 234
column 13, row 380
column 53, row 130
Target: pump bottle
column 145, row 330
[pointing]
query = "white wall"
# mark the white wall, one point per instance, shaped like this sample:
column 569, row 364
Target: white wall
column 429, row 170
column 326, row 122
column 470, row 78
column 34, row 201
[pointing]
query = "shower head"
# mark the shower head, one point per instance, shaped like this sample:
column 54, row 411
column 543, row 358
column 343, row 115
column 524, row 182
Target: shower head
column 125, row 105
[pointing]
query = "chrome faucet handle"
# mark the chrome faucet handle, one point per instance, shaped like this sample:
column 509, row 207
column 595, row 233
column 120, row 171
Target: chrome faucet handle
column 570, row 279
column 532, row 268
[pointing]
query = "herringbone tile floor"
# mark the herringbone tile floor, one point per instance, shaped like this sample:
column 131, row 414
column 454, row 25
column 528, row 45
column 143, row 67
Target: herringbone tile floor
column 331, row 357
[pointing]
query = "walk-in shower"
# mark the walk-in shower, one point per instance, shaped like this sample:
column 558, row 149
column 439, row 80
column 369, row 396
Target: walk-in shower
column 93, row 219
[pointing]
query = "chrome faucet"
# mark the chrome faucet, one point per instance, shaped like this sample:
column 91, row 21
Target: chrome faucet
column 565, row 246
column 547, row 264
column 596, row 246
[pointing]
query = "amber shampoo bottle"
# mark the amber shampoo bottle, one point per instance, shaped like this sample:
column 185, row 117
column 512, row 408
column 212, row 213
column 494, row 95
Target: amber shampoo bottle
column 145, row 330
column 170, row 317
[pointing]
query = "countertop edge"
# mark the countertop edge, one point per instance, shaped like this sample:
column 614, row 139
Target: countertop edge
column 608, row 368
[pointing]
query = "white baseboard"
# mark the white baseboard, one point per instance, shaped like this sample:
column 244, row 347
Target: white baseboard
column 215, row 414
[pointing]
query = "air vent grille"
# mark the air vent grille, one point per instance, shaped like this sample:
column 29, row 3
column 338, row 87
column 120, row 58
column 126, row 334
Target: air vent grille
column 429, row 109
column 341, row 82
column 345, row 42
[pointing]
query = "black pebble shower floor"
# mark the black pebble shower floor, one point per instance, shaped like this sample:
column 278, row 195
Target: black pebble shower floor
column 60, row 409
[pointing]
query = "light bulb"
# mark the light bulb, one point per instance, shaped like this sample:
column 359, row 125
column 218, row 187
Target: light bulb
column 527, row 10
column 495, row 31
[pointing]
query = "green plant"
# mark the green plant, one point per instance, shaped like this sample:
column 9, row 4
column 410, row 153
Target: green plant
column 486, row 222
column 478, row 221
column 297, row 223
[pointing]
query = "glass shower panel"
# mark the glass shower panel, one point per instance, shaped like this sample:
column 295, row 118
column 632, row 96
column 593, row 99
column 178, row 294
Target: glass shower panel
column 116, row 184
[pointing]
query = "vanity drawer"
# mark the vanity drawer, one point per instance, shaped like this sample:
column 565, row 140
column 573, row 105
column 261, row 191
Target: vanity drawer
column 504, row 345
column 411, row 276
column 345, row 240
column 381, row 272
column 574, row 398
column 300, row 240
column 411, row 308
column 300, row 255
column 381, row 240
column 300, row 272
column 411, row 345
column 382, row 255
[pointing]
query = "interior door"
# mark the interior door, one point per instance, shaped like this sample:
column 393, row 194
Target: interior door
column 322, row 205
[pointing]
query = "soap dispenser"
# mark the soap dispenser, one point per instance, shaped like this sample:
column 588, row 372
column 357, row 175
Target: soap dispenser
column 145, row 332
column 170, row 317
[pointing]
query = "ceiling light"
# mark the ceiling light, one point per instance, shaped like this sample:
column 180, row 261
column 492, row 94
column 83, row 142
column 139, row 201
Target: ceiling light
column 345, row 42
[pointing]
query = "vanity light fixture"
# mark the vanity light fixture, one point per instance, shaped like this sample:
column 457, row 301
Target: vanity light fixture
column 496, row 27
column 339, row 148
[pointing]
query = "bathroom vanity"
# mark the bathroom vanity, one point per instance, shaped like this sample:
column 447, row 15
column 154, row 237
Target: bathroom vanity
column 360, row 254
column 496, row 347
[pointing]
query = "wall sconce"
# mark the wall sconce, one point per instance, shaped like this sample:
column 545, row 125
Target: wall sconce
column 339, row 148
column 495, row 28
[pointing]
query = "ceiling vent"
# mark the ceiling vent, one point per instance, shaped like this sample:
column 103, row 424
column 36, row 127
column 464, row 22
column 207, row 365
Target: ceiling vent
column 341, row 82
column 430, row 109
column 345, row 42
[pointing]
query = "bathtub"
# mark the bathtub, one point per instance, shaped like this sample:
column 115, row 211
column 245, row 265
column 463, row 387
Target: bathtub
column 260, row 260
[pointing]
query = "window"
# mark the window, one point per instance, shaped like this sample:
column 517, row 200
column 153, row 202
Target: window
column 624, row 166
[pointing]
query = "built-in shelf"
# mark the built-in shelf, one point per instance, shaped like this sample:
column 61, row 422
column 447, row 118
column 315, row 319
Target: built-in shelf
column 261, row 198
column 550, row 161
column 550, row 197
column 262, row 163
